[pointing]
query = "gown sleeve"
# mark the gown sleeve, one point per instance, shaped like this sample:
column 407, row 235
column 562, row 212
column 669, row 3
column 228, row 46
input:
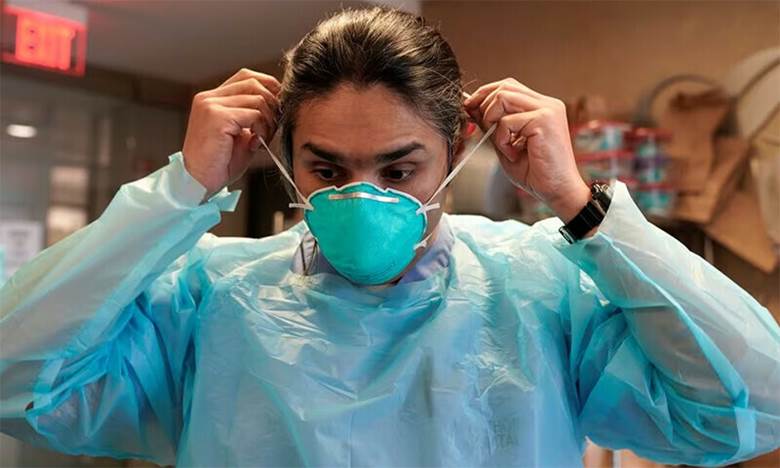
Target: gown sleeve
column 95, row 330
column 669, row 357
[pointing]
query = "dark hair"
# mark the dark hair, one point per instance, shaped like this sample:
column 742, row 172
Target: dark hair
column 372, row 46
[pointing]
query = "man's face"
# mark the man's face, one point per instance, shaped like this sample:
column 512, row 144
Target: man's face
column 371, row 135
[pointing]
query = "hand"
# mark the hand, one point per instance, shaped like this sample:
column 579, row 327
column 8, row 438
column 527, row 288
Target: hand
column 225, row 125
column 533, row 137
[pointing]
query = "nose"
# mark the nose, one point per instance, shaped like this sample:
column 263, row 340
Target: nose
column 365, row 175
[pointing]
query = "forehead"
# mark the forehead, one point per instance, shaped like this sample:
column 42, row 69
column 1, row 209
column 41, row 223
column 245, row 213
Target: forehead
column 362, row 121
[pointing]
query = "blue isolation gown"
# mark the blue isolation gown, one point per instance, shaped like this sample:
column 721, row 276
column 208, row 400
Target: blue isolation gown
column 142, row 336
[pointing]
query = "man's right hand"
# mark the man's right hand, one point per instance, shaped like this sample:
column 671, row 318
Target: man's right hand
column 225, row 125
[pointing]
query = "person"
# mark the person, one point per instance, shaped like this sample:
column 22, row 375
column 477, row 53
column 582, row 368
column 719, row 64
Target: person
column 378, row 331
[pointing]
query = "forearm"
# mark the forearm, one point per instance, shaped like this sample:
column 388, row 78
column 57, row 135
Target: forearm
column 64, row 301
column 691, row 321
column 713, row 351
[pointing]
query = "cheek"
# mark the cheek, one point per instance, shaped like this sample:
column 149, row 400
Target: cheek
column 433, row 220
column 306, row 181
column 428, row 180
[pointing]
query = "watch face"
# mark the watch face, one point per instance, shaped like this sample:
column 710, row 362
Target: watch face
column 602, row 193
column 599, row 187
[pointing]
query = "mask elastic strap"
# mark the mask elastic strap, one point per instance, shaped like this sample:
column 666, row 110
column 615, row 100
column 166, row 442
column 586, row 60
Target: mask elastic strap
column 286, row 175
column 460, row 165
column 426, row 208
column 434, row 206
column 424, row 242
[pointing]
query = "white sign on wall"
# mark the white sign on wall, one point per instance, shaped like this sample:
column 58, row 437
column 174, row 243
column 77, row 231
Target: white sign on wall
column 20, row 241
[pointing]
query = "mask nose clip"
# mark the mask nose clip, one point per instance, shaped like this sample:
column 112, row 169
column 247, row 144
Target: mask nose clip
column 346, row 247
column 428, row 206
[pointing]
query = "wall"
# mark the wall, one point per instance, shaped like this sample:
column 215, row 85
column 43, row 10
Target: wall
column 616, row 49
column 112, row 130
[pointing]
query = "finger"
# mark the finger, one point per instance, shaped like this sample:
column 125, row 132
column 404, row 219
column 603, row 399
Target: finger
column 248, row 86
column 269, row 110
column 513, row 126
column 513, row 83
column 245, row 73
column 507, row 86
column 268, row 122
column 479, row 95
column 503, row 101
column 475, row 115
column 519, row 143
column 240, row 118
column 246, row 146
column 250, row 101
column 265, row 125
column 512, row 132
column 483, row 91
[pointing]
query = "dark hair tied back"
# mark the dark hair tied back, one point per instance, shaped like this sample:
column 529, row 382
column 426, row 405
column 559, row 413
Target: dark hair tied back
column 366, row 47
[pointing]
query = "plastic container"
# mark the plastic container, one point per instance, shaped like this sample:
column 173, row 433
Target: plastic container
column 646, row 142
column 655, row 194
column 598, row 136
column 606, row 165
column 656, row 199
column 652, row 171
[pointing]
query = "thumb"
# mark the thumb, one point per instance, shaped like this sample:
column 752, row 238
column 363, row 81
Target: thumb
column 245, row 143
column 244, row 147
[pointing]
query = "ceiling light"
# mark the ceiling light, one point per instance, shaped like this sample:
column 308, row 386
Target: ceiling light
column 21, row 131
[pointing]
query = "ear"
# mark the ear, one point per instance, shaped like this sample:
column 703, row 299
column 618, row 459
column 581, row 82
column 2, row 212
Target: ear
column 467, row 129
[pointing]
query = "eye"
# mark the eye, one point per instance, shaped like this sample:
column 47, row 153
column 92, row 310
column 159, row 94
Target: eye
column 327, row 173
column 397, row 174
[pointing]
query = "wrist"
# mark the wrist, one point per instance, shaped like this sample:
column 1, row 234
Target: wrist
column 209, row 190
column 569, row 202
column 183, row 187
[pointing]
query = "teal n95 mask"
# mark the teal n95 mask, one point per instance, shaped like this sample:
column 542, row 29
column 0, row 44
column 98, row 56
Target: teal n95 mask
column 369, row 234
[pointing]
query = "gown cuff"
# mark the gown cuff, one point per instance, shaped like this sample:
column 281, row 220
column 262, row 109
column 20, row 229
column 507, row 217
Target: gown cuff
column 623, row 225
column 190, row 192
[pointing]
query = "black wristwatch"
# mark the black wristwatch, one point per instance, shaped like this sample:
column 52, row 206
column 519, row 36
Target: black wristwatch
column 591, row 215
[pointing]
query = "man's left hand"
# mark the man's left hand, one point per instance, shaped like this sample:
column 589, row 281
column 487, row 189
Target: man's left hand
column 533, row 137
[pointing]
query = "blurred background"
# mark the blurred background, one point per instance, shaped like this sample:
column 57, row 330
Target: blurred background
column 679, row 100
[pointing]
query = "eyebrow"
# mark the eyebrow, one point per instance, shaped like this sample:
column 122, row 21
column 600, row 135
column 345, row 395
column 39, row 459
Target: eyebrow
column 321, row 153
column 382, row 158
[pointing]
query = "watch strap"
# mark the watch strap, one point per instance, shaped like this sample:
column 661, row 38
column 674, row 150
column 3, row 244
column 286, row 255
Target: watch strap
column 591, row 215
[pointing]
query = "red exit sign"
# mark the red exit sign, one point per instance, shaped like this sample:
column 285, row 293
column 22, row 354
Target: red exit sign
column 43, row 40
